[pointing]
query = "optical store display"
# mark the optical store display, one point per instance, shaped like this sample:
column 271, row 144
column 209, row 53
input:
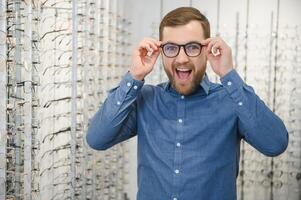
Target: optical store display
column 42, row 155
column 46, row 101
column 268, row 60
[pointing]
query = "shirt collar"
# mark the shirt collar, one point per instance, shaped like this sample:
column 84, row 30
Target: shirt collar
column 205, row 85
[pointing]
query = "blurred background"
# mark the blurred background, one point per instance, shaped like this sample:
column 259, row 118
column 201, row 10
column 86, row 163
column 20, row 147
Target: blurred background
column 59, row 58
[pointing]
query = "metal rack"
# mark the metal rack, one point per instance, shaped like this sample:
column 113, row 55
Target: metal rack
column 58, row 60
column 53, row 80
column 269, row 61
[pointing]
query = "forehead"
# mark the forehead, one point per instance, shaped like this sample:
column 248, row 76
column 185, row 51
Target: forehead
column 193, row 31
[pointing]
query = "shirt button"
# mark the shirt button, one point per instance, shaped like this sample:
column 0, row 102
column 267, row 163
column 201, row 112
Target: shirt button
column 240, row 103
column 177, row 171
column 128, row 84
column 178, row 144
column 229, row 83
column 135, row 87
column 182, row 97
column 180, row 120
column 118, row 102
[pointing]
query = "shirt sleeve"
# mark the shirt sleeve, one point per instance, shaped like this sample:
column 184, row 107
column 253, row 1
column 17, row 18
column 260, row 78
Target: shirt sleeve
column 257, row 124
column 115, row 121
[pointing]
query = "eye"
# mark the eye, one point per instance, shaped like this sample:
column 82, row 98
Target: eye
column 170, row 48
column 193, row 47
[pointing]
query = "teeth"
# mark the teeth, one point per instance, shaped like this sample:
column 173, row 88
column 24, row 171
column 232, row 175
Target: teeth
column 183, row 70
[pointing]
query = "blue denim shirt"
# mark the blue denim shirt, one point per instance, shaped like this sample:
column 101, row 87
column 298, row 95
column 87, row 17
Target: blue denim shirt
column 188, row 146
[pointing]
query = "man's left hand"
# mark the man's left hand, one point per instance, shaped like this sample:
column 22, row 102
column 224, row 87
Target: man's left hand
column 219, row 55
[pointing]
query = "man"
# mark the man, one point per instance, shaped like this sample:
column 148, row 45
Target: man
column 188, row 129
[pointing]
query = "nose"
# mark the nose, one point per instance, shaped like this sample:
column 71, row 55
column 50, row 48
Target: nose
column 182, row 57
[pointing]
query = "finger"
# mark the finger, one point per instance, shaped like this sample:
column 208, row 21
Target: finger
column 206, row 41
column 155, row 55
column 151, row 60
column 147, row 46
column 150, row 46
column 215, row 50
column 157, row 42
column 154, row 52
column 144, row 48
column 154, row 43
column 210, row 45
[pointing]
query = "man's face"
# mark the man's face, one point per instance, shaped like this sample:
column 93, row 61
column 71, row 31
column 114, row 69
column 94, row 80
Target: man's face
column 185, row 73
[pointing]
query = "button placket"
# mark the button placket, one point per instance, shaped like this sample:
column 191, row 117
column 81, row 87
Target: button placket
column 180, row 114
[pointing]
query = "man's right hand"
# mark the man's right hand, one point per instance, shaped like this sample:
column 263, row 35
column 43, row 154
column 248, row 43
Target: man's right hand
column 144, row 57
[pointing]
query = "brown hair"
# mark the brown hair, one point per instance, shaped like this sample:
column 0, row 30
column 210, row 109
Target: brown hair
column 182, row 16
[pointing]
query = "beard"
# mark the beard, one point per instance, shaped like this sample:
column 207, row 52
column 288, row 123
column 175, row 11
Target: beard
column 191, row 85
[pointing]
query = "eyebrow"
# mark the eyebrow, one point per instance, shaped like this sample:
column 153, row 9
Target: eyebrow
column 193, row 41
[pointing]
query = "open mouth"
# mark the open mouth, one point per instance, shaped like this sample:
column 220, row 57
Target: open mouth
column 183, row 73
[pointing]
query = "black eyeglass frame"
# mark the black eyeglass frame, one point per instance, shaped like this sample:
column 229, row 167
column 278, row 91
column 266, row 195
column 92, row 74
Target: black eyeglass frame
column 179, row 49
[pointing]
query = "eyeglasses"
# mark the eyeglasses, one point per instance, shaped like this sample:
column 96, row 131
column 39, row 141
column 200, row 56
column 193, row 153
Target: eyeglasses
column 191, row 49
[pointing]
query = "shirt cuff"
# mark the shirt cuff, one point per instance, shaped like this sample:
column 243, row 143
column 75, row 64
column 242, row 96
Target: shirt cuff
column 130, row 85
column 232, row 80
column 234, row 87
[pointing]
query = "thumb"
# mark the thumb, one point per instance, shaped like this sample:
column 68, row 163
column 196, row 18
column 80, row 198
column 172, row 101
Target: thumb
column 154, row 56
column 206, row 41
